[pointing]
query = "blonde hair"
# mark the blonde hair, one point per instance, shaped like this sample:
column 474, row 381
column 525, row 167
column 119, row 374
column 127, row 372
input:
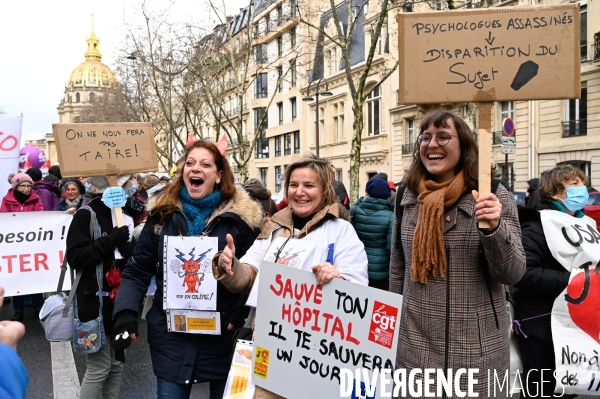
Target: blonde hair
column 324, row 171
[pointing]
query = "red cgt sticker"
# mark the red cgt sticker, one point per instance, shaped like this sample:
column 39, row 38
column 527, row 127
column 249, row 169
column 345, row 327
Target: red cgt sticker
column 383, row 324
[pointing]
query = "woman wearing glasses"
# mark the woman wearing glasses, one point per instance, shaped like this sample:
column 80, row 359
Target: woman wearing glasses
column 454, row 312
column 313, row 215
column 22, row 198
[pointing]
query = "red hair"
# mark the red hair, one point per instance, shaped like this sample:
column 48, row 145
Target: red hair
column 168, row 201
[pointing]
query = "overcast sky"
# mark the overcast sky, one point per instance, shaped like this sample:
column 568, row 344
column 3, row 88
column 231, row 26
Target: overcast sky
column 42, row 41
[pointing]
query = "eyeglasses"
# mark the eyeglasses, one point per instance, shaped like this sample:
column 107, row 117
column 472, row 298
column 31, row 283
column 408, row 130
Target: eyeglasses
column 25, row 186
column 441, row 138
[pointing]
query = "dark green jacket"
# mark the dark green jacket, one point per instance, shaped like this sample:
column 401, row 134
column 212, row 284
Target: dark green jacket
column 373, row 220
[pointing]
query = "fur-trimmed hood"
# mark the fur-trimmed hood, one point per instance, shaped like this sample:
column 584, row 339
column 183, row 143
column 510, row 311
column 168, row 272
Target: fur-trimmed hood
column 241, row 204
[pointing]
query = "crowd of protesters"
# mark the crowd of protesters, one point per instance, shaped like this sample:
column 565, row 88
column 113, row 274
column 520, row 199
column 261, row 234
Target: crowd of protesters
column 418, row 238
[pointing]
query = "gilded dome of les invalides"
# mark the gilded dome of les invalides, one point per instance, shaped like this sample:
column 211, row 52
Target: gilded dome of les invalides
column 92, row 73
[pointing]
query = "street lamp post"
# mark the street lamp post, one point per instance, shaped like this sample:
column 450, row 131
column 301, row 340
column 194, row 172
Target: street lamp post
column 316, row 99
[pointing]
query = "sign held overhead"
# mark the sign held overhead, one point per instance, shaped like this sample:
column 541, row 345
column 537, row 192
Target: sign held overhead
column 509, row 52
column 92, row 149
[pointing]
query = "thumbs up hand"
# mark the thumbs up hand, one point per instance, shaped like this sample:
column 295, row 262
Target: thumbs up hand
column 226, row 258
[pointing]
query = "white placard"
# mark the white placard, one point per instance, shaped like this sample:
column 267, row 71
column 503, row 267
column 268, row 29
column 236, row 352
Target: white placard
column 32, row 247
column 575, row 244
column 189, row 282
column 310, row 332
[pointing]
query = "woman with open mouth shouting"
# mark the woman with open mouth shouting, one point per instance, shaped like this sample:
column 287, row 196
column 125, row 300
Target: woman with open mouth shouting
column 450, row 272
column 202, row 201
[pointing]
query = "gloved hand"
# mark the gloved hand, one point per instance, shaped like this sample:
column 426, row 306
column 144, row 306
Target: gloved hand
column 121, row 234
column 126, row 249
column 238, row 317
column 126, row 330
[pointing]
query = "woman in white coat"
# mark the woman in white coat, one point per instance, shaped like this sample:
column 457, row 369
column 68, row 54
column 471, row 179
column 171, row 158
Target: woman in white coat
column 312, row 215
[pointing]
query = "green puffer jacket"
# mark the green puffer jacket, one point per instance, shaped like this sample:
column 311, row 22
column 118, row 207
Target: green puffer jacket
column 373, row 221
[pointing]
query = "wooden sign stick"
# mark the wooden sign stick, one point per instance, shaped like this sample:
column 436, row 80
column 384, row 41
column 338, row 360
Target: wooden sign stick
column 112, row 180
column 485, row 154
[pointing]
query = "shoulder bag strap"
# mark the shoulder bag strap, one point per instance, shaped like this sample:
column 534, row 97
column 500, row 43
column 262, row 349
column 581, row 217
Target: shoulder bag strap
column 72, row 297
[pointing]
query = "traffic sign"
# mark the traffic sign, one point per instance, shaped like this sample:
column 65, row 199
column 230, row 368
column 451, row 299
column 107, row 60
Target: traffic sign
column 508, row 140
column 508, row 126
column 508, row 149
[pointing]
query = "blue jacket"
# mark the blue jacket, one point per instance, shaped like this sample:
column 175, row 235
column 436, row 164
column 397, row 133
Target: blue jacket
column 176, row 357
column 13, row 376
column 373, row 221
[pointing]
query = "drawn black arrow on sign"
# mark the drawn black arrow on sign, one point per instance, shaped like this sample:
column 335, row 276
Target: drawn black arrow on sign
column 490, row 39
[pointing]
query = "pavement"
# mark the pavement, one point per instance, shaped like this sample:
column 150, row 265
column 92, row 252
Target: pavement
column 56, row 372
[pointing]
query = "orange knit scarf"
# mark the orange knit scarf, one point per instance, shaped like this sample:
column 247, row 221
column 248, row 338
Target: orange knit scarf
column 428, row 254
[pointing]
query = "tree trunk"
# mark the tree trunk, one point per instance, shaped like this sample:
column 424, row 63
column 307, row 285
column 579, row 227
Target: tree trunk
column 357, row 127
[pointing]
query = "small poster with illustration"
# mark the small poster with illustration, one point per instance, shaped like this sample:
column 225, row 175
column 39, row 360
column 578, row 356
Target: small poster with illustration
column 289, row 252
column 189, row 282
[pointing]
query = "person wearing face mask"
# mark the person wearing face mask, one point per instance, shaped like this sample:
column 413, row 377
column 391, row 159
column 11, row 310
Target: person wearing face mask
column 136, row 204
column 22, row 198
column 561, row 189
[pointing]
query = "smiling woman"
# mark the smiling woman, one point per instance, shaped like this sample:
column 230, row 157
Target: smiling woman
column 451, row 293
column 314, row 216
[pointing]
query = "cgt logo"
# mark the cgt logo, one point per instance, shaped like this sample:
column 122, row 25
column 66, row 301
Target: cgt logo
column 383, row 324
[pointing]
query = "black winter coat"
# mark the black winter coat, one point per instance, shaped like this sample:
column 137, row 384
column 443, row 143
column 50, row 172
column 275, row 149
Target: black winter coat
column 84, row 254
column 545, row 278
column 178, row 357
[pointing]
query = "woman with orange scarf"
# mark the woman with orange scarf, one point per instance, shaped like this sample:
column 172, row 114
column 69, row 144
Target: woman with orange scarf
column 449, row 271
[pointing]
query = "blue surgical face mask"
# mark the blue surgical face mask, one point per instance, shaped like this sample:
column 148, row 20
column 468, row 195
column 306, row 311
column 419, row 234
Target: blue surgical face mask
column 131, row 190
column 88, row 188
column 577, row 198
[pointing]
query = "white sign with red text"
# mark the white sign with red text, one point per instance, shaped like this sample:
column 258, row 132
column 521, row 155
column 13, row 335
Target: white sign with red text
column 575, row 244
column 10, row 140
column 312, row 332
column 32, row 247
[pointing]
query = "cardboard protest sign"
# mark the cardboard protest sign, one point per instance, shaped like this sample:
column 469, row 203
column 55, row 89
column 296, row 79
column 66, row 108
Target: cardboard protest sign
column 506, row 53
column 312, row 332
column 93, row 149
column 32, row 249
column 575, row 244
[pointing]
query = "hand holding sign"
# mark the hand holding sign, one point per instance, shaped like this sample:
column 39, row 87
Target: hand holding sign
column 226, row 258
column 325, row 272
column 489, row 208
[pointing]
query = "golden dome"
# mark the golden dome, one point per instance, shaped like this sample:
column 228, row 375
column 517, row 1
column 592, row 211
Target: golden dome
column 92, row 73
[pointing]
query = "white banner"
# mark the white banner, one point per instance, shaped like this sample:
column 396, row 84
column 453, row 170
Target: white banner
column 575, row 243
column 305, row 334
column 10, row 139
column 32, row 247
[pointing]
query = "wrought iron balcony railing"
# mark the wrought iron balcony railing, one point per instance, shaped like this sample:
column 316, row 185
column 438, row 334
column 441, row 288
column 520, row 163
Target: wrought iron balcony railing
column 575, row 128
column 408, row 148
